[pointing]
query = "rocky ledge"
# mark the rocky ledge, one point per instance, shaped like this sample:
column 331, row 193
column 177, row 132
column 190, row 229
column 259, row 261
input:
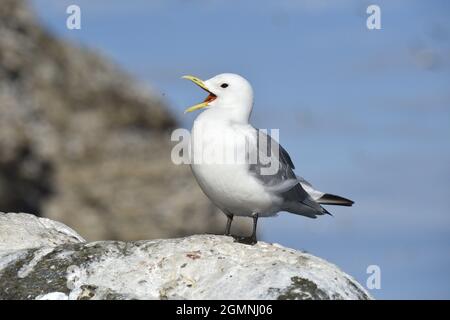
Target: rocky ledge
column 44, row 259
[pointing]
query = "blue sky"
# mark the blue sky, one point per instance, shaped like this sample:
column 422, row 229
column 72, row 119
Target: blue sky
column 365, row 114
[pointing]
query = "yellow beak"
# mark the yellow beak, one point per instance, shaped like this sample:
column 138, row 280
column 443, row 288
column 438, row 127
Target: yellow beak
column 202, row 85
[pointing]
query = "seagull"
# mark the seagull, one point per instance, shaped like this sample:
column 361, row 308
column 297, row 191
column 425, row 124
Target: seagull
column 246, row 185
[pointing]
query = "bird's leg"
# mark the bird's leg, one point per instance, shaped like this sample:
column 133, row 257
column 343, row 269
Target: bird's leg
column 230, row 219
column 255, row 224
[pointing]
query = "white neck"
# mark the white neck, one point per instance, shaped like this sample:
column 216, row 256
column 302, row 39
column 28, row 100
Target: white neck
column 236, row 113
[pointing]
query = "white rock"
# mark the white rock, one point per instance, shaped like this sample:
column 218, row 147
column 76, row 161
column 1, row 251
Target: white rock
column 24, row 231
column 195, row 267
column 53, row 296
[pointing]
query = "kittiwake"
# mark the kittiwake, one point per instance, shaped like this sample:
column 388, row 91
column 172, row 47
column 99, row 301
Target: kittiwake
column 246, row 185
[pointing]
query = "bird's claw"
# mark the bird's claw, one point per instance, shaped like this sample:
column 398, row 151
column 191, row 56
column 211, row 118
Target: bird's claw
column 246, row 240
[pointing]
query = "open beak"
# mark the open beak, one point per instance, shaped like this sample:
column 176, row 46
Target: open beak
column 209, row 98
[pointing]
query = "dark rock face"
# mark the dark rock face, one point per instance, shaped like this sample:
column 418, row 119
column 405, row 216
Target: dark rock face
column 43, row 259
column 83, row 143
column 25, row 180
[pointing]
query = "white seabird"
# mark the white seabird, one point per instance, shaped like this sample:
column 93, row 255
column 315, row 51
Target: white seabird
column 241, row 187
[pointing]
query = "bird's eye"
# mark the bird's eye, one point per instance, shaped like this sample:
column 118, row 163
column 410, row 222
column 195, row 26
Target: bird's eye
column 224, row 85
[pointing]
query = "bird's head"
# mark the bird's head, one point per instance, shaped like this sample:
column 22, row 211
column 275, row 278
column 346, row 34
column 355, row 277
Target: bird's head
column 226, row 91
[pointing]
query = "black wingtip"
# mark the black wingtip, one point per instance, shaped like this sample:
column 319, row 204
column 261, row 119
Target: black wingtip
column 327, row 212
column 332, row 199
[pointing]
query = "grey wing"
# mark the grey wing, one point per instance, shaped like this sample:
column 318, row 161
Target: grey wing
column 283, row 181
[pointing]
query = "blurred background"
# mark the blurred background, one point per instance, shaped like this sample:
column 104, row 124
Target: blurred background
column 86, row 116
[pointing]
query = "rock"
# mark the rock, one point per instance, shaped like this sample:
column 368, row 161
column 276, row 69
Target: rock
column 83, row 143
column 24, row 231
column 195, row 267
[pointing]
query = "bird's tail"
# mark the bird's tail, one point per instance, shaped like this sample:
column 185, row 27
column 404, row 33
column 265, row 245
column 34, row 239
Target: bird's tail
column 332, row 199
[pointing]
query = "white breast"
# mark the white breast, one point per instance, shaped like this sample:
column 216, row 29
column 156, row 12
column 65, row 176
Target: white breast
column 218, row 163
